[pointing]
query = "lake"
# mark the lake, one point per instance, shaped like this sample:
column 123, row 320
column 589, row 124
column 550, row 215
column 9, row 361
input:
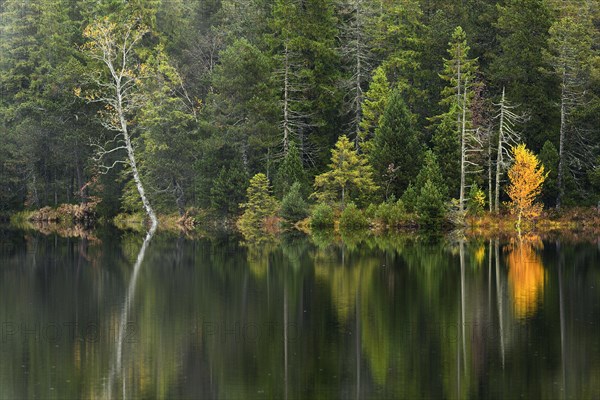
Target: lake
column 398, row 316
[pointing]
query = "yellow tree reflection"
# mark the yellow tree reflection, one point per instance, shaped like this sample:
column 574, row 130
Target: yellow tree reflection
column 526, row 274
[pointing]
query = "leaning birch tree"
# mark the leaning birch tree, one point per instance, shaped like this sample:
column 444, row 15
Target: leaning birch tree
column 116, row 75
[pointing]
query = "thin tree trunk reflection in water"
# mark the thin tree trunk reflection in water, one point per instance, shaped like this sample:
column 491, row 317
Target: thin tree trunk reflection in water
column 561, row 261
column 357, row 340
column 462, row 302
column 115, row 369
column 458, row 396
column 490, row 280
column 499, row 298
column 285, row 336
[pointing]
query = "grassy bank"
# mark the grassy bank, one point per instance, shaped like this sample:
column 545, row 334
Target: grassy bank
column 572, row 221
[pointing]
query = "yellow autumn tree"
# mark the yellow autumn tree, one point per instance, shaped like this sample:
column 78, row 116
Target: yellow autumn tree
column 526, row 178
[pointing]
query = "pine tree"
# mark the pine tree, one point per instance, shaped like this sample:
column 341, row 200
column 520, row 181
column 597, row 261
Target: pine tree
column 523, row 35
column 397, row 40
column 260, row 204
column 349, row 175
column 44, row 144
column 454, row 138
column 303, row 43
column 396, row 148
column 570, row 44
column 228, row 190
column 242, row 108
column 373, row 106
column 549, row 159
column 356, row 54
column 431, row 171
column 293, row 206
column 290, row 171
column 430, row 205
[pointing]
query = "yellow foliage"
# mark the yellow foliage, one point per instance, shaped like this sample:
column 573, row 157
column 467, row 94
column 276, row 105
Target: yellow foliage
column 526, row 178
column 480, row 255
column 526, row 276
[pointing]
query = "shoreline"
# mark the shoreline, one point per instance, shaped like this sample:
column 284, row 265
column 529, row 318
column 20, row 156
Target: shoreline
column 572, row 222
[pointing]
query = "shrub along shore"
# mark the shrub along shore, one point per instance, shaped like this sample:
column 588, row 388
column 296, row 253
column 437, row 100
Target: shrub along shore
column 382, row 219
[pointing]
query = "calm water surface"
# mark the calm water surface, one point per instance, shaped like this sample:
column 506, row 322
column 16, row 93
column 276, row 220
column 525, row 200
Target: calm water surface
column 297, row 317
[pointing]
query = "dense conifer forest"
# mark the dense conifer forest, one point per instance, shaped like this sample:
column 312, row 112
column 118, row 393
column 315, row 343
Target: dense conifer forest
column 277, row 106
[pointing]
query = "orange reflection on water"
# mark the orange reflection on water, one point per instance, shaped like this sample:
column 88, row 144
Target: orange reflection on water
column 526, row 275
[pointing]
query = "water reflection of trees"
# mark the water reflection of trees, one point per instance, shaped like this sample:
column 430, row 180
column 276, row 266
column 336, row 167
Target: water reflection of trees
column 526, row 274
column 396, row 317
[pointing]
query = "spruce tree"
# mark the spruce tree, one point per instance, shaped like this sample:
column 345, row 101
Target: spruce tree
column 430, row 205
column 373, row 106
column 454, row 136
column 290, row 171
column 397, row 147
column 228, row 190
column 260, row 204
column 293, row 206
column 522, row 39
column 431, row 171
column 571, row 45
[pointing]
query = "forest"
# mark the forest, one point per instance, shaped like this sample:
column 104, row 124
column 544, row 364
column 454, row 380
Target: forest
column 289, row 107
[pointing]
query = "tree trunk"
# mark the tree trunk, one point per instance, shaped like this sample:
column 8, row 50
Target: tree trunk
column 499, row 155
column 133, row 163
column 286, row 121
column 463, row 150
column 179, row 198
column 358, row 98
column 561, row 149
column 490, row 202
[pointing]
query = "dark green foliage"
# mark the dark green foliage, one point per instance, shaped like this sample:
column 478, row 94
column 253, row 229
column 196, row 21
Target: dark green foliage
column 371, row 211
column 409, row 198
column 460, row 75
column 353, row 218
column 523, row 27
column 430, row 205
column 290, row 171
column 594, row 178
column 397, row 147
column 241, row 111
column 431, row 171
column 293, row 205
column 391, row 213
column 322, row 216
column 215, row 112
column 228, row 190
column 549, row 159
